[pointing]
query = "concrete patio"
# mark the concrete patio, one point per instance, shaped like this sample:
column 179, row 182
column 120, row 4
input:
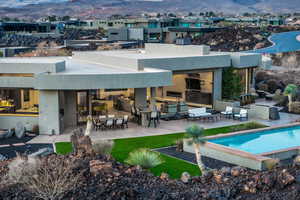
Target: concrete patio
column 165, row 127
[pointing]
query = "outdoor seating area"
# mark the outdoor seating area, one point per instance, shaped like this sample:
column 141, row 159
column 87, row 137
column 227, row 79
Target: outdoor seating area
column 210, row 115
column 105, row 122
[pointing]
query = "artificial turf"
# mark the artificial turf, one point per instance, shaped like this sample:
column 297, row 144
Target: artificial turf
column 172, row 166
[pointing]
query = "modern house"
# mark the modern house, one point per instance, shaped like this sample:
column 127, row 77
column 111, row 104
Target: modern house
column 56, row 93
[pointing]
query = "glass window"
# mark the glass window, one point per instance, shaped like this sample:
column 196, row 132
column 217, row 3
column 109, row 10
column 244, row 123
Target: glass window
column 19, row 101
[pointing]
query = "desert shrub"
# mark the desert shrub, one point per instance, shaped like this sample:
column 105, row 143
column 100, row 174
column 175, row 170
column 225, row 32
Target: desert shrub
column 20, row 166
column 145, row 158
column 48, row 178
column 103, row 147
column 295, row 106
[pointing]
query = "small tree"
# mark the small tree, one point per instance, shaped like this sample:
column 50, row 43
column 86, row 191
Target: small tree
column 196, row 134
column 290, row 91
column 231, row 84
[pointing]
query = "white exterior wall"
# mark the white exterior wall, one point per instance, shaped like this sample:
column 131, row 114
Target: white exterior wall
column 49, row 119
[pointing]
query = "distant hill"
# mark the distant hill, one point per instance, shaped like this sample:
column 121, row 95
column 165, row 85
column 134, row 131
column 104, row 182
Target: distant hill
column 96, row 8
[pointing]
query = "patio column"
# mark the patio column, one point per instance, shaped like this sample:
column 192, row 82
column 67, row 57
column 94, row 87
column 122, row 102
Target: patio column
column 153, row 100
column 70, row 113
column 140, row 97
column 49, row 118
column 217, row 86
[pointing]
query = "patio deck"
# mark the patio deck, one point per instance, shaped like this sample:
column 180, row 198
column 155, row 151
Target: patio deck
column 165, row 127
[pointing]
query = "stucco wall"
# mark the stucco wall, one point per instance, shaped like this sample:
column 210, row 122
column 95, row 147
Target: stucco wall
column 49, row 119
column 226, row 157
column 10, row 121
column 259, row 112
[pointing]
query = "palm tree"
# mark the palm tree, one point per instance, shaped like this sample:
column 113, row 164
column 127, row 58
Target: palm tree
column 290, row 91
column 196, row 135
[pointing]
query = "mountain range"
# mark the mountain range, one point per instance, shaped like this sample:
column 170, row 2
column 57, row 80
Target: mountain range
column 97, row 8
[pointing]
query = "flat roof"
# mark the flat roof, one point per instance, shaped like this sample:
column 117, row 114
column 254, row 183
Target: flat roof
column 142, row 54
column 77, row 66
column 31, row 60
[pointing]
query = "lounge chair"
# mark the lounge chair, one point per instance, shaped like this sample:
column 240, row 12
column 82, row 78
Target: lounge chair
column 228, row 112
column 242, row 115
column 198, row 113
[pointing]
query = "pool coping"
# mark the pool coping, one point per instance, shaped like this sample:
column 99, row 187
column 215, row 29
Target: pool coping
column 259, row 159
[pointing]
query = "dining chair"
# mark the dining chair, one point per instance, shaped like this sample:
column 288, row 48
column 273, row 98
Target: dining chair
column 125, row 121
column 153, row 118
column 109, row 123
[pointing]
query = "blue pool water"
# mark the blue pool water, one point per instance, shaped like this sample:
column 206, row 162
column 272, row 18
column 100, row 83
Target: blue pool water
column 283, row 42
column 263, row 141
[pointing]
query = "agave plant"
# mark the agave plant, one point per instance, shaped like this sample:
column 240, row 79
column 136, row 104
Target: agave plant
column 196, row 135
column 145, row 158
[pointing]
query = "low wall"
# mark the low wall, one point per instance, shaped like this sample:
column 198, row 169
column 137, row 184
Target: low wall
column 242, row 158
column 10, row 121
column 259, row 112
column 221, row 105
column 228, row 155
column 283, row 154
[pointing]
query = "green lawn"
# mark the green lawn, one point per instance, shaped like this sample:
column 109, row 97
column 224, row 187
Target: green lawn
column 174, row 167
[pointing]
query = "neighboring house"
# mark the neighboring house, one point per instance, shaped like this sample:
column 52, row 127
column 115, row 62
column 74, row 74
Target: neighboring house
column 57, row 93
column 156, row 35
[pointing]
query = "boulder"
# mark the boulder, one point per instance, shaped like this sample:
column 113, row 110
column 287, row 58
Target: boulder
column 2, row 157
column 236, row 171
column 285, row 178
column 185, row 177
column 164, row 176
column 97, row 166
column 20, row 130
column 297, row 161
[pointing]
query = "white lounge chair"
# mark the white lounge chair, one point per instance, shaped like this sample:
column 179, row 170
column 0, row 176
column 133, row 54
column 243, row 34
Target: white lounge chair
column 242, row 115
column 228, row 112
column 198, row 113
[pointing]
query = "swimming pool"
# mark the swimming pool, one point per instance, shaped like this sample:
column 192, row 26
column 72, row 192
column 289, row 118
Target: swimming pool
column 282, row 42
column 263, row 141
column 254, row 149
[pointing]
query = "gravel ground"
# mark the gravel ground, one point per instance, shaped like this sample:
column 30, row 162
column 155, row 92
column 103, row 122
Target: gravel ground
column 190, row 157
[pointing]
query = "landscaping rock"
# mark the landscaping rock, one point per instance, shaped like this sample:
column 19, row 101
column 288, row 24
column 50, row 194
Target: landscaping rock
column 164, row 176
column 185, row 177
column 2, row 157
column 236, row 171
column 226, row 171
column 297, row 161
column 97, row 166
column 285, row 178
column 104, row 178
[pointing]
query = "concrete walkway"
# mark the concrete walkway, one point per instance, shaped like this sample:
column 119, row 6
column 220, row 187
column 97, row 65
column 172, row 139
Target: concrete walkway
column 165, row 127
